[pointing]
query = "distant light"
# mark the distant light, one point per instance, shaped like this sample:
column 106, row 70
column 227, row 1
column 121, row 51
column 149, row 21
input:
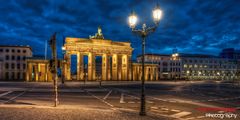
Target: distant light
column 63, row 48
column 157, row 14
column 132, row 20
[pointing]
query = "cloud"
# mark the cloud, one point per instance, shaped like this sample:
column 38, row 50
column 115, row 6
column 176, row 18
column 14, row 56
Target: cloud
column 193, row 26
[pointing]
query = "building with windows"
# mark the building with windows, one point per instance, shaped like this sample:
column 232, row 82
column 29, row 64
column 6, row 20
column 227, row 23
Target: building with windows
column 105, row 60
column 193, row 66
column 13, row 62
column 169, row 66
column 230, row 53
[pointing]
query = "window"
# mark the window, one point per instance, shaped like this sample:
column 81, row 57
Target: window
column 18, row 58
column 12, row 76
column 7, row 57
column 1, row 50
column 23, row 75
column 24, row 51
column 18, row 51
column 13, row 57
column 7, row 50
column 23, row 58
column 18, row 75
column 13, row 50
column 18, row 66
column 6, row 66
column 195, row 66
column 24, row 66
column 13, row 66
column 7, row 75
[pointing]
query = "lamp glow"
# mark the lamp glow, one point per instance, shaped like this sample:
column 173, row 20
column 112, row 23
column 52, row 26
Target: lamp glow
column 63, row 48
column 132, row 19
column 157, row 14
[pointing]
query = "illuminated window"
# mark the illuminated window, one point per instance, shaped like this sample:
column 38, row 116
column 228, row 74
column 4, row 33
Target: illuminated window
column 195, row 66
column 185, row 66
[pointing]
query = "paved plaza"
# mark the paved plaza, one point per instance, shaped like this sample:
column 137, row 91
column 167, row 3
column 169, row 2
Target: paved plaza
column 183, row 100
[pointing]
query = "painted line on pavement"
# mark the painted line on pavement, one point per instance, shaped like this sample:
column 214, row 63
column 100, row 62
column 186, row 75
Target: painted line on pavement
column 131, row 102
column 107, row 95
column 102, row 100
column 122, row 98
column 175, row 110
column 154, row 107
column 13, row 98
column 181, row 114
column 3, row 94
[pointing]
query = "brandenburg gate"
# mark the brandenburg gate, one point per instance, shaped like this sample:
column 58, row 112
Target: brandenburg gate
column 117, row 53
column 115, row 56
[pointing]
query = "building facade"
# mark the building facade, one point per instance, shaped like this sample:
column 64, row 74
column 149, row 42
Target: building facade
column 13, row 64
column 106, row 60
column 230, row 53
column 193, row 66
column 168, row 66
column 38, row 70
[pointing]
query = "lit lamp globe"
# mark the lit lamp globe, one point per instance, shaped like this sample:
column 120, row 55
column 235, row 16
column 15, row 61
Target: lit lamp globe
column 63, row 48
column 132, row 20
column 157, row 14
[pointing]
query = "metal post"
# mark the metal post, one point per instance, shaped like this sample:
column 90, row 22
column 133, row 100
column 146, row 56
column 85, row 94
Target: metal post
column 142, row 110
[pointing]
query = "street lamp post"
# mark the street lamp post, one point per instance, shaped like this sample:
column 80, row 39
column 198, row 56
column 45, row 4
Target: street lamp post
column 63, row 52
column 143, row 33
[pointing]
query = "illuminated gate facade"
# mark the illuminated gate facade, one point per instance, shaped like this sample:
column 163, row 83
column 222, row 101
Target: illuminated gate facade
column 118, row 53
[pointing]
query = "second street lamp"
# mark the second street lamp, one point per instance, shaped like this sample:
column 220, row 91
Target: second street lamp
column 143, row 33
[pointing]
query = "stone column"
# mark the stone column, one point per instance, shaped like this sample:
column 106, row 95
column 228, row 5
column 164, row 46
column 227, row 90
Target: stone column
column 104, row 66
column 46, row 72
column 125, row 67
column 91, row 67
column 152, row 72
column 39, row 72
column 140, row 72
column 29, row 72
column 36, row 72
column 146, row 73
column 68, row 67
column 114, row 67
column 119, row 67
column 134, row 73
column 80, row 66
column 130, row 77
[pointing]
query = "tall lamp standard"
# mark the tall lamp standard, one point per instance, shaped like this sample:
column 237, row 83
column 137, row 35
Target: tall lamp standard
column 143, row 33
column 63, row 52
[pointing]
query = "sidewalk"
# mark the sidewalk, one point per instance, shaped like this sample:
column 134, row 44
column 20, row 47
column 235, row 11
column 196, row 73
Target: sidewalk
column 14, row 112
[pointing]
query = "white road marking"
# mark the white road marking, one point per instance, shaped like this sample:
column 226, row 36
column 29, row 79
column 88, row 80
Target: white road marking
column 3, row 94
column 159, row 111
column 149, row 102
column 181, row 114
column 122, row 99
column 190, row 118
column 13, row 98
column 131, row 102
column 175, row 110
column 154, row 107
column 107, row 95
column 200, row 117
column 99, row 99
column 164, row 109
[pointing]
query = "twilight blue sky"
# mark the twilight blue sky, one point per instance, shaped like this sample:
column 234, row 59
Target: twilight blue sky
column 193, row 26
